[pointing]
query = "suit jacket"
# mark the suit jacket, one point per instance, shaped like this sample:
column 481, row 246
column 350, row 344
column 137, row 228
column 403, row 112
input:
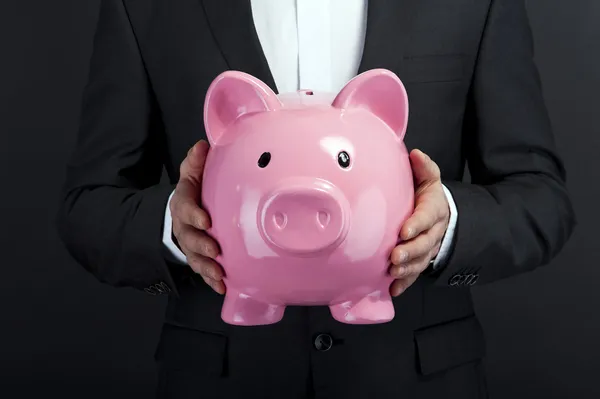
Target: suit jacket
column 475, row 99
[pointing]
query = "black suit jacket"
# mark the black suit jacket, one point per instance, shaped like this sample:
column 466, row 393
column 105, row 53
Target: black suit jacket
column 475, row 99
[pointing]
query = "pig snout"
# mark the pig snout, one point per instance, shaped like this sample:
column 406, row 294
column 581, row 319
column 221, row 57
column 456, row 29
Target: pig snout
column 305, row 216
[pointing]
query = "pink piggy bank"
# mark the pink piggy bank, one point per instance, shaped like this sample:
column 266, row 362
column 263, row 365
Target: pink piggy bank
column 307, row 193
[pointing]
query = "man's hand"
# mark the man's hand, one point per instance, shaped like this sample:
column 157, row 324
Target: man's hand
column 424, row 231
column 190, row 222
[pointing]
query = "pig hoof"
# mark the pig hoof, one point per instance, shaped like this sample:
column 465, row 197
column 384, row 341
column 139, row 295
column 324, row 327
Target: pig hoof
column 372, row 309
column 240, row 309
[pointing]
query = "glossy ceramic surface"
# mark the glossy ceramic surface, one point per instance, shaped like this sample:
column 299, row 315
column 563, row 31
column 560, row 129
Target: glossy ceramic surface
column 307, row 193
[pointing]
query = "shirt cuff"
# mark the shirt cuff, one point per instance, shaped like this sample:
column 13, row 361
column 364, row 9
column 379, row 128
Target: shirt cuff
column 173, row 251
column 448, row 239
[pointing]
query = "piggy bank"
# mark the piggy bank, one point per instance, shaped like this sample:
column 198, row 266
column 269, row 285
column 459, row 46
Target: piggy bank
column 307, row 193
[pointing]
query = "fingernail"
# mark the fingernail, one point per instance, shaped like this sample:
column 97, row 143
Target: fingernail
column 403, row 256
column 410, row 233
column 209, row 251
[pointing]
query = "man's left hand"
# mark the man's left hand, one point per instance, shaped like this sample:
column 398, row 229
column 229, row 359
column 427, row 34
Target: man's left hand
column 424, row 231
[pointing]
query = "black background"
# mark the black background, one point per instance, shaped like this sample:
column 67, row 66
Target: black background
column 64, row 334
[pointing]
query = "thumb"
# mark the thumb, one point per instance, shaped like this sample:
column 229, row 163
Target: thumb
column 192, row 166
column 424, row 169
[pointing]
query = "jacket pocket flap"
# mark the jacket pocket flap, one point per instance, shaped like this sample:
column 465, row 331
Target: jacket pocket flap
column 185, row 348
column 451, row 344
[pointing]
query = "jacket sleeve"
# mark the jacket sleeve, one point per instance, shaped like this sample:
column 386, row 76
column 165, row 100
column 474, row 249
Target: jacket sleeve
column 112, row 207
column 515, row 215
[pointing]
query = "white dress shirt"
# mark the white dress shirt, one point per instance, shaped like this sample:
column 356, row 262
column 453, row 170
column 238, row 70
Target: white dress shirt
column 316, row 45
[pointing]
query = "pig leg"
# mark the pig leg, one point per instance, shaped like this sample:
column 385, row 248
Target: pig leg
column 375, row 308
column 241, row 309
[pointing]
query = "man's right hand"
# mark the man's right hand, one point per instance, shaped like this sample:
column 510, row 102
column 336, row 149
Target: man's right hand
column 190, row 222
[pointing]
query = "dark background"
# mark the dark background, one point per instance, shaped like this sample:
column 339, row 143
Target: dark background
column 64, row 334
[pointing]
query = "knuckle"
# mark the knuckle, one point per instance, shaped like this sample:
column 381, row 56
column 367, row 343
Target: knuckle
column 174, row 204
column 435, row 170
column 183, row 167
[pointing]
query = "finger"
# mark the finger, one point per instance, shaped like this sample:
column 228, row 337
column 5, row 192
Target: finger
column 423, row 218
column 217, row 286
column 400, row 286
column 424, row 169
column 419, row 246
column 193, row 241
column 185, row 208
column 415, row 266
column 205, row 267
column 192, row 166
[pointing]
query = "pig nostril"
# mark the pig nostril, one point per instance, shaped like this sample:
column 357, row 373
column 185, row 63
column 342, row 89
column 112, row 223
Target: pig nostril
column 323, row 219
column 280, row 220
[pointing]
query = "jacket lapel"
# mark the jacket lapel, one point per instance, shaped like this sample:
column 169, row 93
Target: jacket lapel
column 388, row 31
column 233, row 27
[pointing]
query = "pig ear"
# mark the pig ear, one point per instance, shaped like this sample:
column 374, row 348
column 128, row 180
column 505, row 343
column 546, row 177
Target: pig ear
column 231, row 95
column 381, row 92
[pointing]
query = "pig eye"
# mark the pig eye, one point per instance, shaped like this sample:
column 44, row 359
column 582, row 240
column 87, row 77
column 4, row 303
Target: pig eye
column 344, row 159
column 264, row 159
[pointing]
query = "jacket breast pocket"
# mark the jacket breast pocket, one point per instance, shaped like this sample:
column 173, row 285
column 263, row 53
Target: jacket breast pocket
column 431, row 68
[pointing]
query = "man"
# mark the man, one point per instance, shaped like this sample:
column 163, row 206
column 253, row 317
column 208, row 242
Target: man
column 474, row 98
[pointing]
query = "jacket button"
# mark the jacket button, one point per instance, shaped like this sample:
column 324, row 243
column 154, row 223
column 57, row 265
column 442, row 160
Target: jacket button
column 323, row 342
